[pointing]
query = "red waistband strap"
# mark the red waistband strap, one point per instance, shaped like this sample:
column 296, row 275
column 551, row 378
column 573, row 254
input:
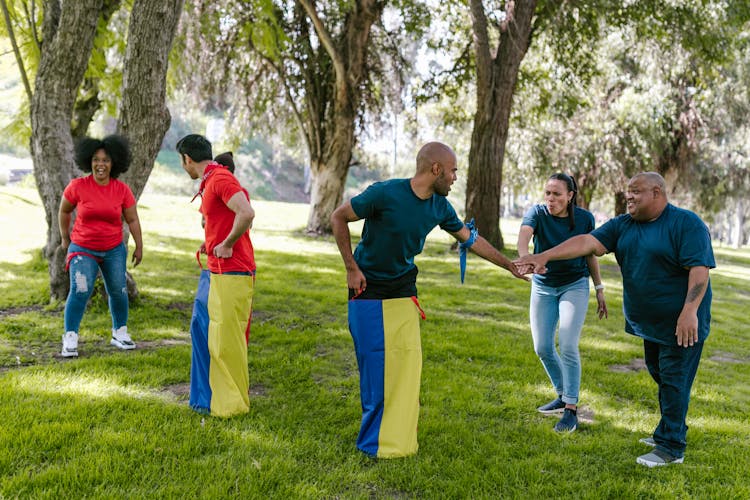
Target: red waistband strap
column 76, row 254
column 416, row 303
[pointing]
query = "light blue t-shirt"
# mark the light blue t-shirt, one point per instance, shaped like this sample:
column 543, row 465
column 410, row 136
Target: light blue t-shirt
column 550, row 231
column 653, row 258
column 397, row 222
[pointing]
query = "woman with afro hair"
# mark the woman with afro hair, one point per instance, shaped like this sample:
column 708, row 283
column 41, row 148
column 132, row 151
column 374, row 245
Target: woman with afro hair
column 101, row 202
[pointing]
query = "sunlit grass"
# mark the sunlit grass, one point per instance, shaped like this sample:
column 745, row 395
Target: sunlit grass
column 87, row 427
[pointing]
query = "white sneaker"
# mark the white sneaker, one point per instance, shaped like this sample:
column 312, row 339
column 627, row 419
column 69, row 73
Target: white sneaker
column 121, row 339
column 69, row 345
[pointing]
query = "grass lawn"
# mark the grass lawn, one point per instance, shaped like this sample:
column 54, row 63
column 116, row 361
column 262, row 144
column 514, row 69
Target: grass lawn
column 116, row 424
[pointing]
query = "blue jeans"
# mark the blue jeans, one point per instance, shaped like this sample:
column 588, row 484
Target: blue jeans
column 673, row 368
column 83, row 271
column 566, row 305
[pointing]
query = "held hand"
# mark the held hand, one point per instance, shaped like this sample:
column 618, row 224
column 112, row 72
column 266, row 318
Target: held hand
column 137, row 256
column 202, row 248
column 222, row 251
column 687, row 329
column 518, row 272
column 602, row 305
column 531, row 263
column 524, row 268
column 355, row 280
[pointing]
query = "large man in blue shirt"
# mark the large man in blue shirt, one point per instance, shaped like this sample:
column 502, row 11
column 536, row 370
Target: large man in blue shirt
column 381, row 276
column 664, row 253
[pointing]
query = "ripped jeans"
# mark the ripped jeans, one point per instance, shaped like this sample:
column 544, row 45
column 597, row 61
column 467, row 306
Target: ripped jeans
column 83, row 271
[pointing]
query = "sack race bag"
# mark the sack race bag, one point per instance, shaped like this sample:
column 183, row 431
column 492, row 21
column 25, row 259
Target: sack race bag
column 389, row 356
column 219, row 330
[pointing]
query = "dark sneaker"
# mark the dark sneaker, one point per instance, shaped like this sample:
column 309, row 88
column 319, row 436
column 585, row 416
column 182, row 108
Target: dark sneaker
column 555, row 406
column 568, row 422
column 649, row 441
column 658, row 458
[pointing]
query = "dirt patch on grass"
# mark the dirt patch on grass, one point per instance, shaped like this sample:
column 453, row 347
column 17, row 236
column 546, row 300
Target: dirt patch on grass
column 635, row 365
column 14, row 311
column 47, row 352
column 181, row 391
column 179, row 306
column 155, row 344
column 727, row 357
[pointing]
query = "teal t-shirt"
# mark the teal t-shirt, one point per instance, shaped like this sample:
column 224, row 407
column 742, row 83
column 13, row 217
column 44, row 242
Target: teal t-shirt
column 397, row 222
column 654, row 258
column 550, row 231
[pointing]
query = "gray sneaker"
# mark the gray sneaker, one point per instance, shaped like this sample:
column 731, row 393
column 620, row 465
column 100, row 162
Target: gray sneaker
column 657, row 458
column 554, row 406
column 649, row 441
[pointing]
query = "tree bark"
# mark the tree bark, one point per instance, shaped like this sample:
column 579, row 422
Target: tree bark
column 331, row 155
column 621, row 204
column 496, row 80
column 67, row 39
column 144, row 117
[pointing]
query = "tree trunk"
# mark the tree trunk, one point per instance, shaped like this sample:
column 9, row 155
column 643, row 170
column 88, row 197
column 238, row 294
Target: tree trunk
column 331, row 158
column 737, row 234
column 144, row 117
column 485, row 177
column 68, row 36
column 621, row 204
column 496, row 80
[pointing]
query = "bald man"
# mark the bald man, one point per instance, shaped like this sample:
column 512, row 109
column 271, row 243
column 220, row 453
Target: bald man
column 381, row 277
column 664, row 253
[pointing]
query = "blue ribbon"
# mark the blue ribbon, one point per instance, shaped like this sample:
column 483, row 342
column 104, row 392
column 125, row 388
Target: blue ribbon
column 463, row 248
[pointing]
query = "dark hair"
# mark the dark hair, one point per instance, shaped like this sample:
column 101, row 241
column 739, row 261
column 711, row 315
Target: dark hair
column 195, row 146
column 570, row 183
column 116, row 147
column 226, row 159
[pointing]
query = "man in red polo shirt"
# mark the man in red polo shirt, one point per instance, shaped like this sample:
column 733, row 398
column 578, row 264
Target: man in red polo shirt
column 221, row 380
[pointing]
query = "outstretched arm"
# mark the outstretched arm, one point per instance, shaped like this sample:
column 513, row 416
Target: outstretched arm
column 483, row 248
column 577, row 246
column 340, row 219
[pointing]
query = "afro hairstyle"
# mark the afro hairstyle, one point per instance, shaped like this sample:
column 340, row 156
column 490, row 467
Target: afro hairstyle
column 116, row 147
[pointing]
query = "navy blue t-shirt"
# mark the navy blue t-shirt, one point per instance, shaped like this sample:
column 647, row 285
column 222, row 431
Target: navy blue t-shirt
column 550, row 231
column 653, row 258
column 397, row 222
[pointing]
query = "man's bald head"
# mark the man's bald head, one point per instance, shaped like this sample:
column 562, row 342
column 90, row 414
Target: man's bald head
column 646, row 196
column 434, row 152
column 652, row 179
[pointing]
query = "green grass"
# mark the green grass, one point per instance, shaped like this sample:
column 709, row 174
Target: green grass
column 116, row 424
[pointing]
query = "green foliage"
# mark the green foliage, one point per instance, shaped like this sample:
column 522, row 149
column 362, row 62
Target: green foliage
column 645, row 103
column 116, row 424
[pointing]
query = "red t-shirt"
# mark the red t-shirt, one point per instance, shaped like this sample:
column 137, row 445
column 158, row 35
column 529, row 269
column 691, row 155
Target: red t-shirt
column 220, row 186
column 98, row 223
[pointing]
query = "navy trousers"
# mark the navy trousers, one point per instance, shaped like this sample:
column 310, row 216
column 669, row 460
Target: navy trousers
column 673, row 369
